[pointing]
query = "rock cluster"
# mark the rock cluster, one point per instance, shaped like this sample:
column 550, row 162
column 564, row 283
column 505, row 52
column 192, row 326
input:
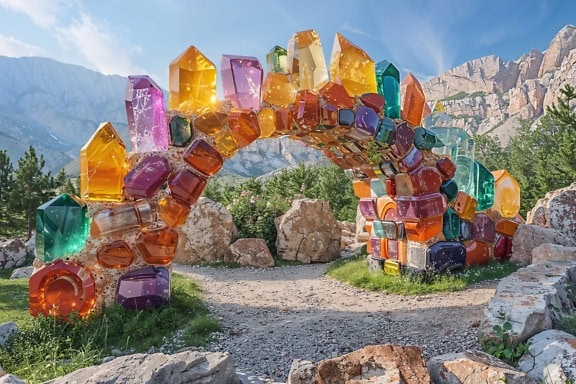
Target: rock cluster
column 12, row 253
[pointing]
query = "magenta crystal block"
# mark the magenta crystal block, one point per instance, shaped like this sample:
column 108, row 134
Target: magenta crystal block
column 415, row 208
column 242, row 81
column 375, row 246
column 401, row 139
column 146, row 178
column 411, row 161
column 483, row 228
column 367, row 121
column 144, row 288
column 368, row 208
column 502, row 247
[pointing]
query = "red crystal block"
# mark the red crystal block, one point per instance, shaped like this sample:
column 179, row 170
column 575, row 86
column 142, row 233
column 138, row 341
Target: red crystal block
column 244, row 126
column 401, row 139
column 61, row 288
column 368, row 208
column 446, row 167
column 146, row 178
column 483, row 228
column 203, row 157
column 337, row 95
column 157, row 244
column 284, row 120
column 502, row 248
column 374, row 101
column 329, row 115
column 144, row 288
column 186, row 186
column 117, row 254
column 421, row 181
column 411, row 161
column 477, row 253
column 390, row 187
column 242, row 81
column 306, row 110
column 416, row 208
column 414, row 100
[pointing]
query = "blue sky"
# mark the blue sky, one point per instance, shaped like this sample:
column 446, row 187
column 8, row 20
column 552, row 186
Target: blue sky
column 142, row 37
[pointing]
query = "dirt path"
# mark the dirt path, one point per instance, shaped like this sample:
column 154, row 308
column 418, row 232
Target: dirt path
column 273, row 316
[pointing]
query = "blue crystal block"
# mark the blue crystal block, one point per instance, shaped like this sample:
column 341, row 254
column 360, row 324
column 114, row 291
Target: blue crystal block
column 446, row 256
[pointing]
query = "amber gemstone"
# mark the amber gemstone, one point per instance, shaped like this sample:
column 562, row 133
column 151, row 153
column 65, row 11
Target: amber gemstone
column 414, row 100
column 306, row 61
column 210, row 122
column 225, row 143
column 361, row 188
column 421, row 181
column 446, row 167
column 284, row 120
column 477, row 253
column 186, row 186
column 374, row 101
column 243, row 126
column 465, row 205
column 173, row 212
column 157, row 244
column 423, row 230
column 203, row 157
column 337, row 95
column 506, row 194
column 506, row 227
column 267, row 122
column 278, row 90
column 352, row 67
column 306, row 110
column 117, row 254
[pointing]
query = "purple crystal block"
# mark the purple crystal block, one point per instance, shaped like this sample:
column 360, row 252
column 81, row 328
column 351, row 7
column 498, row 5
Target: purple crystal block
column 401, row 139
column 146, row 114
column 368, row 208
column 242, row 81
column 483, row 228
column 411, row 161
column 446, row 256
column 144, row 288
column 375, row 245
column 367, row 121
column 415, row 208
column 146, row 178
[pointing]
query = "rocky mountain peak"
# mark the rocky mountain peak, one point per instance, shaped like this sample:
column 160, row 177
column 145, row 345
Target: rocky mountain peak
column 560, row 46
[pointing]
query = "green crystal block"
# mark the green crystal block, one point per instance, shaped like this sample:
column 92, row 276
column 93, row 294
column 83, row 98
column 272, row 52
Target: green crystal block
column 388, row 85
column 61, row 227
column 384, row 130
column 451, row 224
column 450, row 189
column 180, row 131
column 476, row 180
column 426, row 139
column 277, row 60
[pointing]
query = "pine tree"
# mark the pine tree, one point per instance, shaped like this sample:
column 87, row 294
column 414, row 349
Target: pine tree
column 6, row 186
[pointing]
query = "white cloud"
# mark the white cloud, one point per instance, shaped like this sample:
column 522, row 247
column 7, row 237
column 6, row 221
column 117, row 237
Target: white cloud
column 43, row 12
column 106, row 52
column 11, row 47
column 349, row 28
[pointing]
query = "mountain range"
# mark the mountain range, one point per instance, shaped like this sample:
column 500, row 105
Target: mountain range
column 56, row 107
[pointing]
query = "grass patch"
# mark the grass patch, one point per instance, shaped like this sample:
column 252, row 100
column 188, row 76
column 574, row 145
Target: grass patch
column 48, row 347
column 568, row 323
column 354, row 271
column 13, row 299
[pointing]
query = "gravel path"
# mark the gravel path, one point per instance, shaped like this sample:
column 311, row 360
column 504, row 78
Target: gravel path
column 272, row 316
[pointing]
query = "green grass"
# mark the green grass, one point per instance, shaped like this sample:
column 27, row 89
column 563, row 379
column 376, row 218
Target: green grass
column 354, row 271
column 48, row 347
column 568, row 323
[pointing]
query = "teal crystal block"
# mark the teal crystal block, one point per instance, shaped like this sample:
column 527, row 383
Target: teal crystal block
column 377, row 188
column 476, row 180
column 456, row 142
column 384, row 130
column 388, row 83
column 451, row 225
column 449, row 189
column 61, row 227
column 180, row 131
column 426, row 139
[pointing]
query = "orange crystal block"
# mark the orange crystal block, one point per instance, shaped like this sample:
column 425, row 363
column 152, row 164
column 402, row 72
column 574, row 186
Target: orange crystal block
column 243, row 126
column 210, row 122
column 477, row 253
column 506, row 194
column 506, row 227
column 61, row 288
column 278, row 90
column 414, row 100
column 307, row 112
column 157, row 244
column 226, row 144
column 424, row 229
column 361, row 188
column 267, row 122
column 337, row 95
column 173, row 212
column 103, row 166
column 352, row 67
column 306, row 61
column 203, row 157
column 465, row 205
column 117, row 254
column 284, row 120
column 192, row 82
column 383, row 205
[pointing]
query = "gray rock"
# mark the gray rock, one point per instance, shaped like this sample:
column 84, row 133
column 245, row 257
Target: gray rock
column 548, row 251
column 302, row 372
column 248, row 378
column 22, row 273
column 6, row 330
column 249, row 252
column 528, row 237
column 13, row 253
column 31, row 247
column 551, row 357
column 185, row 367
column 11, row 379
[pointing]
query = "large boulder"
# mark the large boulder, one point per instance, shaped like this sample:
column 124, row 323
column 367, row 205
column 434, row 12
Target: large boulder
column 528, row 237
column 22, row 273
column 249, row 252
column 206, row 234
column 474, row 367
column 184, row 367
column 545, row 252
column 376, row 364
column 6, row 330
column 302, row 372
column 12, row 253
column 308, row 232
column 11, row 379
column 556, row 210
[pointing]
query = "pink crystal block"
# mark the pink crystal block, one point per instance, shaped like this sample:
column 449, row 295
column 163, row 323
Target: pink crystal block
column 376, row 246
column 415, row 208
column 483, row 228
column 144, row 288
column 242, row 81
column 146, row 178
column 146, row 114
column 368, row 208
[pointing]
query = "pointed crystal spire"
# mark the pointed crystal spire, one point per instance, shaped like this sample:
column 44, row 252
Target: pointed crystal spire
column 414, row 100
column 352, row 67
column 242, row 81
column 277, row 60
column 306, row 61
column 388, row 79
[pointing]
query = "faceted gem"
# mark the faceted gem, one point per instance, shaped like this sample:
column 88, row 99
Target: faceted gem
column 416, row 208
column 456, row 142
column 144, row 288
column 277, row 60
column 476, row 180
column 186, row 186
column 465, row 205
column 306, row 110
column 60, row 288
column 337, row 95
column 451, row 225
column 203, row 157
column 421, row 181
column 411, row 161
column 180, row 131
column 506, row 194
column 414, row 100
column 401, row 139
column 465, row 230
column 502, row 248
column 267, row 122
column 173, row 212
column 346, row 117
column 506, row 227
column 211, row 122
column 61, row 227
column 374, row 101
column 388, row 80
column 242, row 81
column 192, row 85
column 423, row 230
column 367, row 121
column 120, row 219
column 385, row 130
column 226, row 144
column 426, row 139
column 391, row 187
column 146, row 115
column 377, row 188
column 157, row 244
column 306, row 61
column 438, row 107
column 352, row 67
column 477, row 253
column 117, row 254
column 446, row 167
column 450, row 190
column 483, row 228
column 243, row 126
column 388, row 169
column 103, row 166
column 278, row 90
column 328, row 115
column 446, row 256
column 284, row 120
column 146, row 178
column 376, row 245
column 361, row 188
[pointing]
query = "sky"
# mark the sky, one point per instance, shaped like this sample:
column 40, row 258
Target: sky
column 134, row 37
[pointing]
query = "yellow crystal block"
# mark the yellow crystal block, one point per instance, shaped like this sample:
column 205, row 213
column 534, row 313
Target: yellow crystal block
column 226, row 144
column 306, row 61
column 278, row 90
column 192, row 82
column 352, row 67
column 506, row 194
column 413, row 100
column 267, row 122
column 438, row 107
column 103, row 166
